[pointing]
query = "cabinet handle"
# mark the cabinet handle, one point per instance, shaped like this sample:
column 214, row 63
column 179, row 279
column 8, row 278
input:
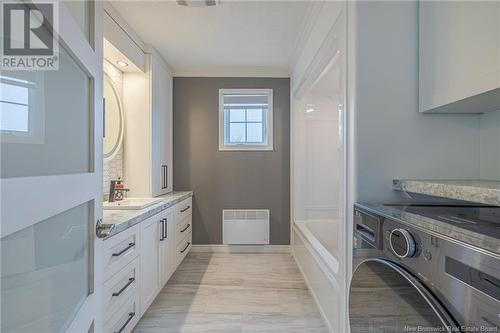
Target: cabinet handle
column 164, row 183
column 119, row 292
column 186, row 228
column 183, row 210
column 165, row 228
column 162, row 230
column 187, row 245
column 130, row 316
column 130, row 245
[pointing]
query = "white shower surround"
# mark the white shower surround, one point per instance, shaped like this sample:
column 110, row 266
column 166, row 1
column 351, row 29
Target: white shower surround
column 319, row 158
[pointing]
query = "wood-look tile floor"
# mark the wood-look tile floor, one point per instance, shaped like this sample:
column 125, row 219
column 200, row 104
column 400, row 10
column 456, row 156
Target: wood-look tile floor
column 236, row 292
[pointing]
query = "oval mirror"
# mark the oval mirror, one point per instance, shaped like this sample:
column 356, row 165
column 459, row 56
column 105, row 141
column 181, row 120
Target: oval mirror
column 113, row 119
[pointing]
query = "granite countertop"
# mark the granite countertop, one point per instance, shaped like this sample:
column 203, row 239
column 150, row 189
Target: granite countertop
column 478, row 191
column 400, row 214
column 124, row 219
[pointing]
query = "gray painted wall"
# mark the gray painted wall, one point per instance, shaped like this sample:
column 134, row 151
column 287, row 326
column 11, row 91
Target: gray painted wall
column 393, row 139
column 226, row 180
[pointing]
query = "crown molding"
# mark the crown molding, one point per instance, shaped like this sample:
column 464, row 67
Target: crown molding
column 232, row 72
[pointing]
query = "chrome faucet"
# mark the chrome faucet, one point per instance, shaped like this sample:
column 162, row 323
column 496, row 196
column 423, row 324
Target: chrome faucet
column 116, row 192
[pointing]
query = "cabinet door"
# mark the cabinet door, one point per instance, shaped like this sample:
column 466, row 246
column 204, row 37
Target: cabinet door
column 150, row 275
column 161, row 95
column 459, row 59
column 167, row 261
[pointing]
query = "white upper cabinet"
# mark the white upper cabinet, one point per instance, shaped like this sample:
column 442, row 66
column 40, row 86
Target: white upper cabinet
column 148, row 129
column 161, row 97
column 459, row 56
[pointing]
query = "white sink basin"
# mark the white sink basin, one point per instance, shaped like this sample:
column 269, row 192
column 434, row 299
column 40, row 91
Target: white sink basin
column 131, row 203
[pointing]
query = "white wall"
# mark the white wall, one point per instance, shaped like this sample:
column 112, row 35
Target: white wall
column 393, row 140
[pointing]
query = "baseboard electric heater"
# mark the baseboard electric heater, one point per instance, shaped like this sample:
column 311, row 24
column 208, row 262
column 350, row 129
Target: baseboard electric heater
column 245, row 226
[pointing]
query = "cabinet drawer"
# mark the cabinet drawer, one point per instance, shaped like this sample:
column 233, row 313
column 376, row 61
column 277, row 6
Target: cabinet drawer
column 183, row 229
column 183, row 209
column 120, row 288
column 120, row 250
column 184, row 247
column 124, row 320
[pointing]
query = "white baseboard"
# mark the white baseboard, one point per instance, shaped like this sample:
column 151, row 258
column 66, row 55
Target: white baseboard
column 222, row 248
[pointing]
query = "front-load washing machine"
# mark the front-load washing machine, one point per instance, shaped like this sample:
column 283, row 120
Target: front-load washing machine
column 410, row 279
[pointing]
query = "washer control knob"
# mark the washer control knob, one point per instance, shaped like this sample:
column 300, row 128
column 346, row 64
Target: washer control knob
column 427, row 255
column 402, row 243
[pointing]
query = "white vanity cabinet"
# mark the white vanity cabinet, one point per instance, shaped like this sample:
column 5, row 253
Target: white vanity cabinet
column 147, row 100
column 167, row 258
column 140, row 260
column 459, row 56
column 150, row 259
column 122, row 281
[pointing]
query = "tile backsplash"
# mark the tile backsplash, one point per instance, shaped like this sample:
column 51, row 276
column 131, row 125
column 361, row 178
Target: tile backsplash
column 490, row 146
column 113, row 168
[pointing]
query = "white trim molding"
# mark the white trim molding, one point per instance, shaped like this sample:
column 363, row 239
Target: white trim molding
column 220, row 248
column 260, row 72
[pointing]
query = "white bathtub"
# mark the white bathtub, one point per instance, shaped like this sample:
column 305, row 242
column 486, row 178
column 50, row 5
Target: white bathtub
column 318, row 252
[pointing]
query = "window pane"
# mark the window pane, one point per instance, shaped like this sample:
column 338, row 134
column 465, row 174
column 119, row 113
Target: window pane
column 254, row 115
column 254, row 133
column 236, row 133
column 44, row 273
column 236, row 115
column 11, row 92
column 13, row 117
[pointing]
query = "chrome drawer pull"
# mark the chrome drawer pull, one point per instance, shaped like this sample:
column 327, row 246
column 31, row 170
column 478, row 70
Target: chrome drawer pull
column 130, row 245
column 186, row 228
column 183, row 210
column 187, row 245
column 130, row 281
column 130, row 316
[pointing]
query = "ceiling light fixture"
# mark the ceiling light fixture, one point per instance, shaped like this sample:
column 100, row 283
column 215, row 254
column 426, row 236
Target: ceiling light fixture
column 121, row 63
column 198, row 3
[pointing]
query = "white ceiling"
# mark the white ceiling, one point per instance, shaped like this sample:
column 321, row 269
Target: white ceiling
column 234, row 36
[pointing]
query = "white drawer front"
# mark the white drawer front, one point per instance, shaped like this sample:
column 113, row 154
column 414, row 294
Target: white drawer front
column 125, row 319
column 120, row 288
column 183, row 229
column 183, row 209
column 184, row 247
column 120, row 250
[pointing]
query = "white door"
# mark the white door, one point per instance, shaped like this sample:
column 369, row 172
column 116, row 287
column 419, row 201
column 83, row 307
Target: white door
column 51, row 181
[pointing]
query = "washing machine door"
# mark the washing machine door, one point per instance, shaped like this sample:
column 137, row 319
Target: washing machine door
column 384, row 297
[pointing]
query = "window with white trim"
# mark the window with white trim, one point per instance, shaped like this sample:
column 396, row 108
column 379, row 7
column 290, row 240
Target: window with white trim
column 21, row 107
column 245, row 119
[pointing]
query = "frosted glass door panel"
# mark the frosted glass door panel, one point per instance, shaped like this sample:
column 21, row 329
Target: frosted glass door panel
column 45, row 119
column 44, row 276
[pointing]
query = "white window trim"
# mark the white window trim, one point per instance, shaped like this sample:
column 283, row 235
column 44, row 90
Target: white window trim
column 269, row 122
column 36, row 118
